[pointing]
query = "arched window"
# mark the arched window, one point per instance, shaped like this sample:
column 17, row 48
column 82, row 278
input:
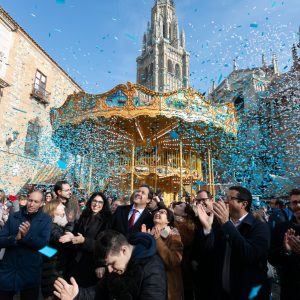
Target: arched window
column 151, row 71
column 165, row 32
column 144, row 75
column 170, row 67
column 177, row 71
column 32, row 138
column 239, row 106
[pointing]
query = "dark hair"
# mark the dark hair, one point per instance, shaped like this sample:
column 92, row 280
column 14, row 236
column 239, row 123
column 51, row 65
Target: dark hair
column 105, row 209
column 294, row 192
column 243, row 195
column 170, row 216
column 279, row 203
column 58, row 186
column 150, row 193
column 190, row 214
column 209, row 195
column 108, row 242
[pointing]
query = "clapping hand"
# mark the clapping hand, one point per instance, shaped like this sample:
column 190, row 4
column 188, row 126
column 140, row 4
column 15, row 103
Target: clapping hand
column 79, row 239
column 64, row 290
column 221, row 211
column 291, row 241
column 67, row 237
column 23, row 229
column 205, row 218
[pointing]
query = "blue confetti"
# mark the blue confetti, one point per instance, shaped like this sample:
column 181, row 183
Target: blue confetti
column 254, row 292
column 220, row 78
column 62, row 164
column 48, row 251
column 253, row 25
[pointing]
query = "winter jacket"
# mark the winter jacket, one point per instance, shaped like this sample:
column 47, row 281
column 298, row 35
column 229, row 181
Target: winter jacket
column 144, row 278
column 21, row 265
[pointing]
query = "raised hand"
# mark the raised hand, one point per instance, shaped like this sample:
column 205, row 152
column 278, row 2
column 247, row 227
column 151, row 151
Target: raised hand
column 290, row 232
column 23, row 230
column 100, row 272
column 144, row 228
column 156, row 232
column 206, row 219
column 294, row 243
column 64, row 290
column 221, row 211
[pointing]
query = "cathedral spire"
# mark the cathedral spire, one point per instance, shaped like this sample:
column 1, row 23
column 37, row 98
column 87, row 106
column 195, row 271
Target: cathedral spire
column 164, row 62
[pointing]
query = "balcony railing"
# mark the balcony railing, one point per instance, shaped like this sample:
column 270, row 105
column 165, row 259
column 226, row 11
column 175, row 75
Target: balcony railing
column 40, row 94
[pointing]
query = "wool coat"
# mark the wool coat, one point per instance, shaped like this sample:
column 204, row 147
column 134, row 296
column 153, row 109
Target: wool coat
column 83, row 266
column 21, row 265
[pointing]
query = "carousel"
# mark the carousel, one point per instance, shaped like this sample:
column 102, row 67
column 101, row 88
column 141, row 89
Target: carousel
column 132, row 135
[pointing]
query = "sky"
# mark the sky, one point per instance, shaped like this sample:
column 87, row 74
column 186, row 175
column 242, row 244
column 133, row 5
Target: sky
column 97, row 41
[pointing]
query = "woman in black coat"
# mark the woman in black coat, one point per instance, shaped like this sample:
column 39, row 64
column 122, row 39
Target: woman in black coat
column 94, row 219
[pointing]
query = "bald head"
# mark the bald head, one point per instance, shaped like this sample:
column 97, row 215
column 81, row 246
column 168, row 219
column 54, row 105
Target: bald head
column 35, row 201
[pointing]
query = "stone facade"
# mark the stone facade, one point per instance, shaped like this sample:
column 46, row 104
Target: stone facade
column 31, row 84
column 164, row 63
column 266, row 154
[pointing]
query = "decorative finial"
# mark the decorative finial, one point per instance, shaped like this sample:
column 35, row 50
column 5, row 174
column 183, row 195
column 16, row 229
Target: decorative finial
column 234, row 65
column 263, row 61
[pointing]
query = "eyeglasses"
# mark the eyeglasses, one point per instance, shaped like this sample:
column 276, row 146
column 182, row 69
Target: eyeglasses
column 228, row 198
column 97, row 202
column 295, row 202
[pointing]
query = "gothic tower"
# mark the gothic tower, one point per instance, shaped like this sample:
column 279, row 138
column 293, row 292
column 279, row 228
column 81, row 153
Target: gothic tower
column 164, row 63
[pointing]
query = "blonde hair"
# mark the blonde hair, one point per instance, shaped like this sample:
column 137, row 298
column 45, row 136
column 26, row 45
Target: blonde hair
column 50, row 207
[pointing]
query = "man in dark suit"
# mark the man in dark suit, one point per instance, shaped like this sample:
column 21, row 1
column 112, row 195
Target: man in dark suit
column 285, row 251
column 237, row 247
column 128, row 219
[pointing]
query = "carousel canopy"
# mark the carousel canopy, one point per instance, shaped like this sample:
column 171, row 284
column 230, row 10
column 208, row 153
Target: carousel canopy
column 132, row 113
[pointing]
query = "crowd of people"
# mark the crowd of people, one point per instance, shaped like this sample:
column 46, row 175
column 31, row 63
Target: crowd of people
column 139, row 248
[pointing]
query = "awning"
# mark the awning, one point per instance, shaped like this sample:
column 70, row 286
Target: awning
column 48, row 175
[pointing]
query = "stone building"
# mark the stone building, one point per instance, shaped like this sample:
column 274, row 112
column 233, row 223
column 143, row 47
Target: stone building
column 266, row 154
column 164, row 63
column 31, row 83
